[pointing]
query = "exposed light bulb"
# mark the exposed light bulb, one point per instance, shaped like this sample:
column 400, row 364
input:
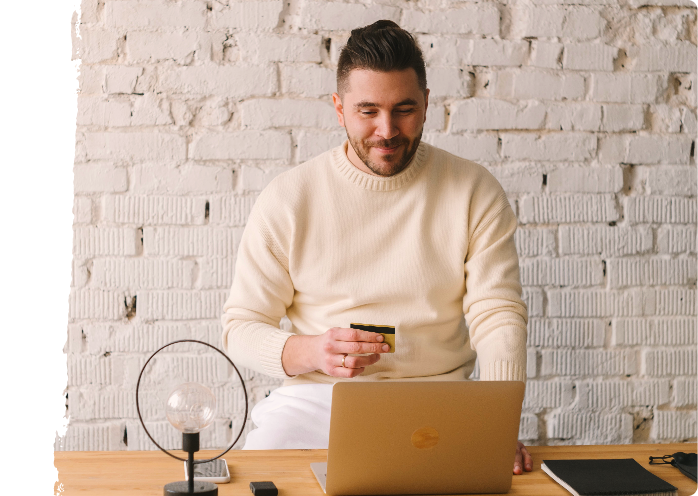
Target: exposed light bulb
column 191, row 407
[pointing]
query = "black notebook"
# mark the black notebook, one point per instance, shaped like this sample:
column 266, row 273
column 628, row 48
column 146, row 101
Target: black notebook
column 607, row 478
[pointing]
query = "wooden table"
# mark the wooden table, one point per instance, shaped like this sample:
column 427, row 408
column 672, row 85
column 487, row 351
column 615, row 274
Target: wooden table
column 137, row 473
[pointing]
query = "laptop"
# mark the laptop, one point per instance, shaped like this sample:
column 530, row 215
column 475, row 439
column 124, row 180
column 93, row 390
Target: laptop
column 454, row 437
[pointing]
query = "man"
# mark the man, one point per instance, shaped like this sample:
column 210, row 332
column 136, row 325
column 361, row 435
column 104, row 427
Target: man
column 383, row 230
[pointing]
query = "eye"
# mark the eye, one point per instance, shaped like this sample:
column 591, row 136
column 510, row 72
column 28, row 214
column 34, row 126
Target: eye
column 367, row 112
column 405, row 111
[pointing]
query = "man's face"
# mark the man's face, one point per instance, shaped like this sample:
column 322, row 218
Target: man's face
column 383, row 114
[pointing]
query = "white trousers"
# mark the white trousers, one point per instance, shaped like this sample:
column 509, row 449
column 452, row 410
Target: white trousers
column 292, row 417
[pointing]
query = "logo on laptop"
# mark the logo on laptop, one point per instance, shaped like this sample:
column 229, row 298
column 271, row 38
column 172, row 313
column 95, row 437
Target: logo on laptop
column 425, row 438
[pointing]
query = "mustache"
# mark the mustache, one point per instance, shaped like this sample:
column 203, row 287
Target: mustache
column 392, row 143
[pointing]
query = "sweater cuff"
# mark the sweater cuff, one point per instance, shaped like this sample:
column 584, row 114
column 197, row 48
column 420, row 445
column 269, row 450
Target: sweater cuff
column 270, row 353
column 502, row 371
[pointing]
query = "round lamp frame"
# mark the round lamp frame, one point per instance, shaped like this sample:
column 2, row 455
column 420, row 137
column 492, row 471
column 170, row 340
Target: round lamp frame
column 242, row 382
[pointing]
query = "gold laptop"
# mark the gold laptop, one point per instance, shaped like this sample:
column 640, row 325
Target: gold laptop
column 421, row 437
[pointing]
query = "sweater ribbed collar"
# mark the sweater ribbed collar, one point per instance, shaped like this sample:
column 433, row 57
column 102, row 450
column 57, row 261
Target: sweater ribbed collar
column 378, row 183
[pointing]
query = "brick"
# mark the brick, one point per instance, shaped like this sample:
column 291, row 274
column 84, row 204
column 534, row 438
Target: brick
column 486, row 113
column 82, row 210
column 626, row 88
column 112, row 273
column 261, row 145
column 684, row 391
column 154, row 210
column 595, row 303
column 549, row 147
column 578, row 23
column 689, row 122
column 439, row 50
column 659, row 363
column 588, row 57
column 568, row 209
column 216, row 273
column 149, row 110
column 98, row 304
column 448, row 82
column 614, row 394
column 274, row 48
column 674, row 426
column 95, row 111
column 145, row 46
column 191, row 241
column 533, row 297
column 538, row 85
column 121, row 79
column 659, row 149
column 588, row 362
column 181, row 305
column 479, row 147
column 96, row 45
column 135, row 146
column 605, row 240
column 311, row 144
column 96, row 241
column 559, row 333
column 660, row 209
column 640, row 3
column 436, row 118
column 89, row 12
column 533, row 242
column 83, row 371
column 547, row 394
column 556, row 272
column 545, row 54
column 154, row 14
column 591, row 428
column 239, row 81
column 268, row 113
column 248, row 16
column 519, row 179
column 680, row 181
column 674, row 57
column 531, row 363
column 91, row 79
column 99, row 178
column 528, row 427
column 674, row 331
column 650, row 272
column 674, row 301
column 256, row 179
column 337, row 43
column 337, row 16
column 231, row 210
column 76, row 340
column 676, row 239
column 156, row 179
column 488, row 52
column 307, row 80
column 210, row 369
column 617, row 118
column 573, row 117
column 665, row 119
column 585, row 180
column 91, row 437
column 469, row 19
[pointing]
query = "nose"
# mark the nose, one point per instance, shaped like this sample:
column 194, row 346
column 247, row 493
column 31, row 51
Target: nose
column 386, row 128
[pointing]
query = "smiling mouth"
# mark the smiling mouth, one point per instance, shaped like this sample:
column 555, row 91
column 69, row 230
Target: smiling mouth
column 387, row 150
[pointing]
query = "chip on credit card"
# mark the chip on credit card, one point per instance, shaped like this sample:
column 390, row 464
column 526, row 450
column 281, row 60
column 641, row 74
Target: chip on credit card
column 388, row 333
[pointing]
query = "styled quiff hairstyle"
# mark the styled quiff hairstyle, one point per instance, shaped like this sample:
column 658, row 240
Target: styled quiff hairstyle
column 382, row 46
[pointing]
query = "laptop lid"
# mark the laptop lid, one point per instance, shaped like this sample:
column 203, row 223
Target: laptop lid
column 423, row 437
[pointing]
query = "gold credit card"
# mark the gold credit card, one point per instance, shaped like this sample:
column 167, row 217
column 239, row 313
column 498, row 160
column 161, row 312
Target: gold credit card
column 388, row 333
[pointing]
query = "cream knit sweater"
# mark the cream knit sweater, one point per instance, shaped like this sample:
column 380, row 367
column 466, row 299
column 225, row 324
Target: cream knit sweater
column 427, row 251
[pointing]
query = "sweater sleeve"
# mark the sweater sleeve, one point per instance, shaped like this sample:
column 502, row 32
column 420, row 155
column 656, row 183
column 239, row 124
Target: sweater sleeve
column 494, row 310
column 262, row 291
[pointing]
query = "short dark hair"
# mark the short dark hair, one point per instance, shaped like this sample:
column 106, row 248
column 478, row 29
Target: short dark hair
column 382, row 46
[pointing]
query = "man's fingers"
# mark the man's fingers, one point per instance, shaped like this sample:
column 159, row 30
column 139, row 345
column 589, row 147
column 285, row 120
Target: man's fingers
column 522, row 460
column 517, row 462
column 527, row 459
column 358, row 362
column 345, row 334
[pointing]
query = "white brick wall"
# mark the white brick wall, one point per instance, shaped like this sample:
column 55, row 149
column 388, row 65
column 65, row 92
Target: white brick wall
column 585, row 113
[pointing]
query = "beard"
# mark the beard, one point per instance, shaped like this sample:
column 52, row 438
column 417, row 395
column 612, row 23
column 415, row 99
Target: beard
column 392, row 163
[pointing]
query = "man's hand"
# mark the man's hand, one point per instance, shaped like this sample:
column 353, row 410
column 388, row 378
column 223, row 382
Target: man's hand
column 523, row 460
column 325, row 352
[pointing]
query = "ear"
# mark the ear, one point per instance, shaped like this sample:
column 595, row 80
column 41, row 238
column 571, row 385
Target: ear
column 426, row 104
column 338, row 108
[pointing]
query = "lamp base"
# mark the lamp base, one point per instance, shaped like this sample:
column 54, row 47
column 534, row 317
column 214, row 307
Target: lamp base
column 181, row 488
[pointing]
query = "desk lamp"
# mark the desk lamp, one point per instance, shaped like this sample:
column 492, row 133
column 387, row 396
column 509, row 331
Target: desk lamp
column 190, row 409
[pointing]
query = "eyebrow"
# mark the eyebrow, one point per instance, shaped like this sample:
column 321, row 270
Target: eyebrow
column 364, row 103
